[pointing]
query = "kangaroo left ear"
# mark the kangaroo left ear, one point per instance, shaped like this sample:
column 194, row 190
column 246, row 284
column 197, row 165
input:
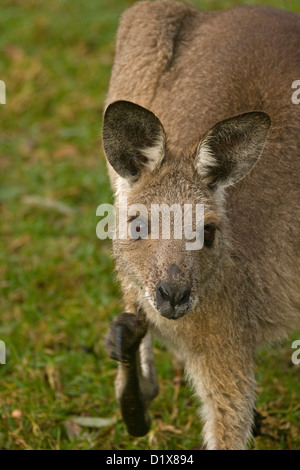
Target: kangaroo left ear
column 133, row 139
column 231, row 148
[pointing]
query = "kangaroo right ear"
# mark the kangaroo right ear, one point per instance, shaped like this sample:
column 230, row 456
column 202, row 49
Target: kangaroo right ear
column 231, row 148
column 133, row 139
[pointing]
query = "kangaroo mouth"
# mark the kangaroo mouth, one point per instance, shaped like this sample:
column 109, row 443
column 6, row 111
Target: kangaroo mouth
column 173, row 299
column 174, row 312
column 168, row 309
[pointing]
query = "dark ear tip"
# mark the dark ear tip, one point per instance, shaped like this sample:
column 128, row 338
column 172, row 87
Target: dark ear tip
column 265, row 117
column 119, row 105
column 115, row 109
column 261, row 117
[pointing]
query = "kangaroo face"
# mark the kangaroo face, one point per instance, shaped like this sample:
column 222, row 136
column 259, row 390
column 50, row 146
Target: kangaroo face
column 175, row 227
column 166, row 271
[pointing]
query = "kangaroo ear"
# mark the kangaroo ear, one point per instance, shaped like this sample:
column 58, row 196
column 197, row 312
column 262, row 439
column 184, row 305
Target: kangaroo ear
column 133, row 139
column 231, row 148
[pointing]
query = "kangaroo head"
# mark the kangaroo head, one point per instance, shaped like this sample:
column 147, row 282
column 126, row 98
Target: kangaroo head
column 157, row 257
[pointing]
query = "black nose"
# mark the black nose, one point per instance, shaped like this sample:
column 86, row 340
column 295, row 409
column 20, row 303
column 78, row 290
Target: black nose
column 172, row 299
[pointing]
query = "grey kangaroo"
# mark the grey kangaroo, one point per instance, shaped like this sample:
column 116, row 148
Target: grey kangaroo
column 200, row 111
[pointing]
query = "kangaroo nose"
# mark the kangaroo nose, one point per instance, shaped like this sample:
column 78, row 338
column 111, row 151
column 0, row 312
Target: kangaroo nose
column 173, row 295
column 172, row 299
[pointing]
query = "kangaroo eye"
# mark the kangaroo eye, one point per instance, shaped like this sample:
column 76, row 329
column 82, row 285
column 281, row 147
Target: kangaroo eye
column 209, row 235
column 138, row 228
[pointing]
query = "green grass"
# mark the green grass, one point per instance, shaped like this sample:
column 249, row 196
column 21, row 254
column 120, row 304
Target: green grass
column 58, row 288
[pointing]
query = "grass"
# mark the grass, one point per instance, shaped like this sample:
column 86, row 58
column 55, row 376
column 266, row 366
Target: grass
column 58, row 288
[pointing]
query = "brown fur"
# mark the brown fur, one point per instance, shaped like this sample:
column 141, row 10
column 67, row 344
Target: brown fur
column 193, row 69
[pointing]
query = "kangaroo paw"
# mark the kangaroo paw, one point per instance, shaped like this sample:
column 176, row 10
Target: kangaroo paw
column 124, row 337
column 122, row 342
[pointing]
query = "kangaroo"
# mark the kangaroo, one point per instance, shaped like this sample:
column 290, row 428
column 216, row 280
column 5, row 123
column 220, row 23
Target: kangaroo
column 200, row 111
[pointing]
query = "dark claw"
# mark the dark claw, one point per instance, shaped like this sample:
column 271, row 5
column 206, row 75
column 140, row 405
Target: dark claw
column 137, row 419
column 258, row 423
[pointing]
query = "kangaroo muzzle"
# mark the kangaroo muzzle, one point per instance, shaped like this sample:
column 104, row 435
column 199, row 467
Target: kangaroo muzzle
column 172, row 299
